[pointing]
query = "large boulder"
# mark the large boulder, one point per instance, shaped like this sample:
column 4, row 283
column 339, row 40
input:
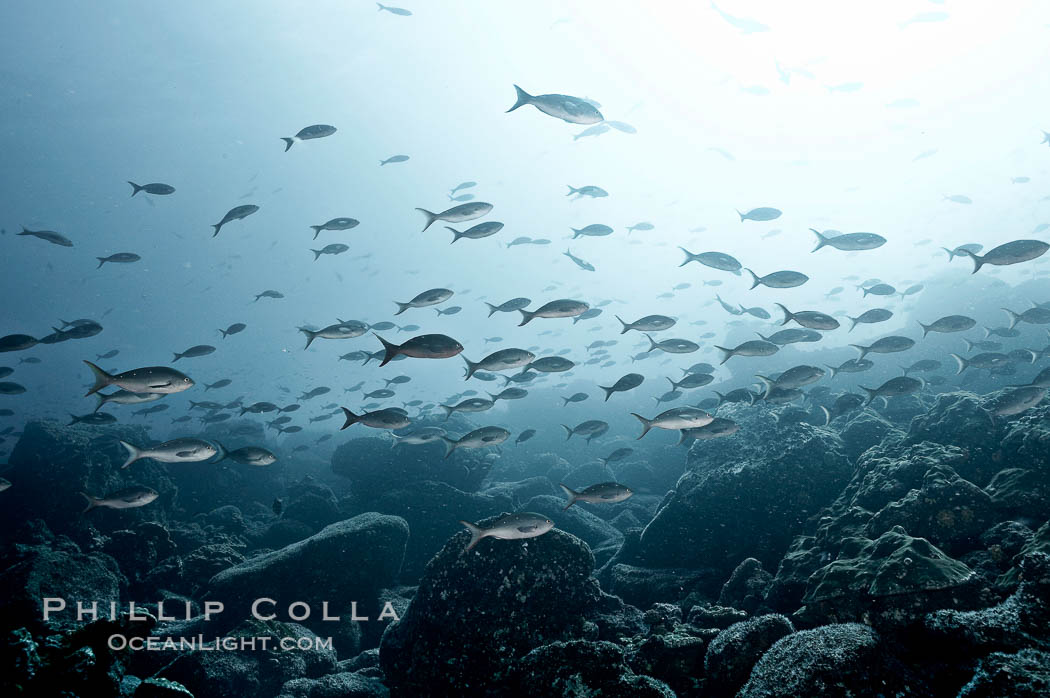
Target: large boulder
column 734, row 651
column 1025, row 674
column 580, row 668
column 745, row 495
column 477, row 612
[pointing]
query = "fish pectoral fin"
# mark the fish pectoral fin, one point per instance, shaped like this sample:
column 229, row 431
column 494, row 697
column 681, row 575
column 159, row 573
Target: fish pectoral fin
column 184, row 454
column 165, row 384
column 526, row 529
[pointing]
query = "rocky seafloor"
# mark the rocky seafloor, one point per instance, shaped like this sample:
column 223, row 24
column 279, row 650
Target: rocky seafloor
column 903, row 551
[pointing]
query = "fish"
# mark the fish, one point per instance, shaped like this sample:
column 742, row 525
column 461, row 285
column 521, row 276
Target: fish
column 477, row 232
column 335, row 224
column 1013, row 252
column 795, row 377
column 886, row 345
column 673, row 346
column 922, row 365
column 560, row 308
column 649, row 323
column 870, row 317
column 399, row 11
column 249, row 455
column 961, row 250
column 644, row 226
column 596, row 130
column 745, row 25
column 234, row 214
column 953, row 323
column 342, row 330
column 778, row 279
column 118, row 258
column 424, row 346
column 569, row 109
column 426, row 298
column 423, row 435
column 602, row 493
column 1035, row 316
column 753, row 347
column 1017, row 400
column 811, row 319
column 156, row 188
column 48, row 236
column 525, row 436
column 191, row 353
column 617, row 455
column 575, row 397
column 587, row 315
column 233, row 329
column 758, row 312
column 508, row 307
column 393, row 159
column 510, row 394
column 958, row 199
column 592, row 230
column 516, row 526
column 848, row 242
column 760, row 214
column 901, row 385
column 589, row 190
column 388, row 418
column 17, row 342
column 879, row 290
column 309, row 133
column 126, row 397
column 151, row 379
column 126, row 498
column 502, row 360
column 591, row 429
column 94, row 418
column 675, row 418
column 479, row 438
column 550, row 364
column 586, row 266
column 269, row 294
column 185, row 450
column 474, row 404
column 334, row 248
column 457, row 214
column 627, row 382
column 717, row 428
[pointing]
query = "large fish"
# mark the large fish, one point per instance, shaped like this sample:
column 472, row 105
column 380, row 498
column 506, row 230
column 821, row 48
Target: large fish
column 151, row 379
column 236, row 213
column 457, row 214
column 127, row 498
column 572, row 110
column 175, row 451
column 424, row 346
column 309, row 133
column 554, row 309
column 509, row 527
column 1008, row 253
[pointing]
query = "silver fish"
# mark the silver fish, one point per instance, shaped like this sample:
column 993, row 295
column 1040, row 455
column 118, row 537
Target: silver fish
column 184, row 450
column 509, row 527
column 572, row 110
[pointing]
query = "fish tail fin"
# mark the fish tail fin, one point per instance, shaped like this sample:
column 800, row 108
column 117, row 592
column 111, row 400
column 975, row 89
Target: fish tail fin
column 652, row 344
column 674, row 386
column 963, row 363
column 626, row 326
column 92, row 502
column 492, row 309
column 216, row 226
column 742, row 216
column 978, row 262
column 863, row 351
column 456, row 235
column 572, row 190
column 450, row 445
column 570, row 493
column 925, row 330
column 351, row 418
column 608, row 392
column 523, row 99
column 102, row 379
column 476, row 534
column 565, row 401
column 317, row 229
column 288, row 143
column 74, row 419
column 177, row 356
column 402, row 307
column 526, row 317
column 969, row 344
column 135, row 189
column 689, row 256
column 821, row 240
column 448, row 411
column 317, row 254
column 788, row 316
column 101, row 261
column 568, row 432
column 646, row 424
column 755, row 280
column 726, row 354
column 430, row 216
column 871, row 394
column 1014, row 317
column 951, row 253
column 310, row 337
column 471, row 367
column 133, row 454
column 101, row 402
column 853, row 323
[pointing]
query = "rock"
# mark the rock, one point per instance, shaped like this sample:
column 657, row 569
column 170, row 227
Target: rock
column 341, row 685
column 745, row 495
column 617, row 620
column 477, row 613
column 734, row 651
column 521, row 491
column 576, row 520
column 1025, row 674
column 349, row 560
column 200, row 565
column 81, row 458
column 233, row 674
column 833, row 661
column 747, row 586
column 642, row 587
column 947, row 510
column 890, row 581
column 579, row 668
column 138, row 552
column 432, row 510
column 955, row 419
column 284, row 533
column 717, row 617
column 1019, row 622
column 1020, row 492
column 862, row 430
column 34, row 573
column 675, row 657
column 312, row 503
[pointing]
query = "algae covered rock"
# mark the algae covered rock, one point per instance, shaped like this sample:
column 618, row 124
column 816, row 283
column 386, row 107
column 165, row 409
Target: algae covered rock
column 579, row 668
column 477, row 613
column 732, row 654
column 1025, row 674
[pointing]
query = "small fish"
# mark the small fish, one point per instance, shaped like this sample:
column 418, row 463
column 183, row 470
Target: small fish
column 175, row 451
column 959, row 199
column 627, row 382
column 388, row 418
column 333, row 249
column 516, row 526
column 400, row 11
column 811, row 319
column 127, row 498
column 886, row 345
column 554, row 309
column 644, row 226
column 152, row 379
column 764, row 213
column 477, row 232
column 715, row 260
column 335, row 224
column 675, row 418
column 525, row 436
column 233, row 329
column 193, row 352
column 870, row 316
column 309, row 133
column 750, row 348
column 424, row 346
column 954, row 323
column 393, row 159
column 850, row 242
column 605, row 492
column 589, row 190
column 156, row 188
column 426, row 298
column 778, row 279
column 572, row 110
column 1013, row 252
column 479, row 438
column 592, row 230
column 901, row 385
column 236, row 213
column 457, row 214
column 575, row 397
column 591, row 429
column 48, row 236
column 586, row 266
